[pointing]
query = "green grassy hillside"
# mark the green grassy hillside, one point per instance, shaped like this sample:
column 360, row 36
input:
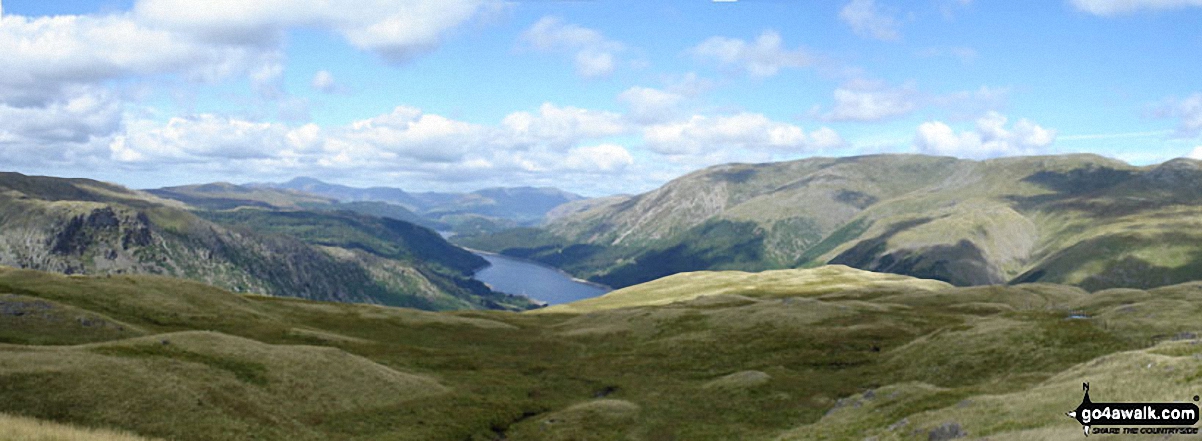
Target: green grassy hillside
column 1077, row 219
column 78, row 226
column 826, row 353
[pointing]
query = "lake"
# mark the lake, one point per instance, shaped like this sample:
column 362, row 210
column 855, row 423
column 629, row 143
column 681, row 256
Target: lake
column 537, row 281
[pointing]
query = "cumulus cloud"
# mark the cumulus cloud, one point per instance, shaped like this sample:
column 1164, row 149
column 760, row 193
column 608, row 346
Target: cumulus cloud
column 559, row 127
column 198, row 138
column 85, row 114
column 59, row 131
column 649, row 105
column 744, row 131
column 323, row 81
column 397, row 30
column 990, row 138
column 592, row 52
column 45, row 56
column 603, row 157
column 1119, row 7
column 862, row 100
column 763, row 57
column 869, row 21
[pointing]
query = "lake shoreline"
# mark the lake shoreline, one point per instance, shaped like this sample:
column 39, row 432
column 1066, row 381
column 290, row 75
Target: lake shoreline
column 553, row 278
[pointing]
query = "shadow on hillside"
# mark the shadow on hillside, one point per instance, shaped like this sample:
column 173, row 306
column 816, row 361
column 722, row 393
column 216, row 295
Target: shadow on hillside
column 961, row 264
column 1125, row 272
column 714, row 245
column 1102, row 193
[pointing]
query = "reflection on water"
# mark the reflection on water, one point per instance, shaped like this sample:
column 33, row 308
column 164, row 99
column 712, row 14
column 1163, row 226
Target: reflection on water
column 517, row 276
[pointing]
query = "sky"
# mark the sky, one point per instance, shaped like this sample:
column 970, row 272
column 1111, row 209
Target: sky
column 596, row 97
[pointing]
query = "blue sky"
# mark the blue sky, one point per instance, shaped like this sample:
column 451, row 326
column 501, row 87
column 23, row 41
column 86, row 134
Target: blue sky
column 596, row 97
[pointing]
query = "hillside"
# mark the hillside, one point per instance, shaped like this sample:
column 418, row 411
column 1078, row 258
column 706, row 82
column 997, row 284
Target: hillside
column 79, row 226
column 792, row 358
column 1077, row 219
column 486, row 210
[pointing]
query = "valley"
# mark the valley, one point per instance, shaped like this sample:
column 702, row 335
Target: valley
column 494, row 220
column 222, row 311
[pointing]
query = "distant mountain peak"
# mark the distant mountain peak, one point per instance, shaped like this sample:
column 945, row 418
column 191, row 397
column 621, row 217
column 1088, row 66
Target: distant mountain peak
column 305, row 180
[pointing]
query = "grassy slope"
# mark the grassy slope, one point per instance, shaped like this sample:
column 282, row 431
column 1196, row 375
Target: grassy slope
column 1077, row 219
column 791, row 357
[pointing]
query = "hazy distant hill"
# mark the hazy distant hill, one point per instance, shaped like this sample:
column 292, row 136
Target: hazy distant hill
column 225, row 196
column 84, row 226
column 482, row 210
column 1077, row 219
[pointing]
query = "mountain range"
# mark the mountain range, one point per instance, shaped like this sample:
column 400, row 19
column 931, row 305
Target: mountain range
column 1083, row 220
column 245, row 240
column 486, row 210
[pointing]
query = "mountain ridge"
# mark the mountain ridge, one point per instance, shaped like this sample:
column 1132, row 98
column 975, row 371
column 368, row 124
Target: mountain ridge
column 81, row 226
column 1079, row 219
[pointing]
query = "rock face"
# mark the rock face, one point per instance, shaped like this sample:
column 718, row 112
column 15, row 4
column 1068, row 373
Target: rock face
column 946, row 432
column 1077, row 219
column 88, row 227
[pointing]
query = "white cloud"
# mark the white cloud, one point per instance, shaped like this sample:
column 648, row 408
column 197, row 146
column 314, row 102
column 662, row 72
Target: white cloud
column 199, row 138
column 593, row 53
column 744, row 131
column 405, row 141
column 650, row 105
column 871, row 101
column 559, row 127
column 763, row 57
column 989, row 138
column 85, row 114
column 323, row 81
column 869, row 21
column 1196, row 153
column 1189, row 111
column 604, row 157
column 1119, row 7
column 63, row 130
column 45, row 56
column 410, row 133
column 397, row 30
column 218, row 40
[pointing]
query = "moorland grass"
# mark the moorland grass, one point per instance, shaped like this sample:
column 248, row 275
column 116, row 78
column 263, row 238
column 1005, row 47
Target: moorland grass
column 745, row 361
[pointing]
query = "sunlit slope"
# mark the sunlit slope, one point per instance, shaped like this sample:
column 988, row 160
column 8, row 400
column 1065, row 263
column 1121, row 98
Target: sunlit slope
column 29, row 429
column 839, row 355
column 1084, row 220
column 766, row 284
